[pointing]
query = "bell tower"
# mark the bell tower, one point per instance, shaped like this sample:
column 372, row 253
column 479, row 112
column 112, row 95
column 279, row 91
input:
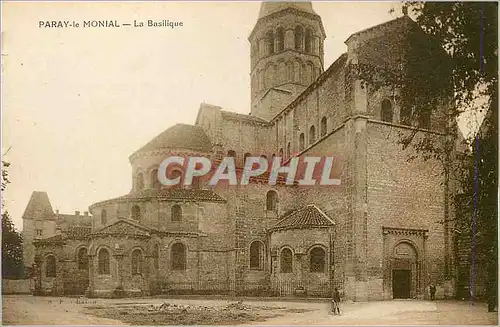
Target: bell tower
column 286, row 55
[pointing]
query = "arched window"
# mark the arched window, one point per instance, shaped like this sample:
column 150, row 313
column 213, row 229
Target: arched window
column 302, row 141
column 406, row 115
column 50, row 267
column 297, row 71
column 270, row 42
column 308, row 73
column 104, row 217
column 153, row 180
column 156, row 257
column 136, row 212
column 139, row 183
column 137, row 262
column 289, row 150
column 280, row 38
column 256, row 255
column 308, row 41
column 312, row 134
column 178, row 256
column 174, row 173
column 317, row 260
column 286, row 261
column 245, row 157
column 231, row 153
column 299, row 36
column 281, row 73
column 271, row 200
column 386, row 111
column 83, row 262
column 425, row 119
column 103, row 262
column 323, row 126
column 176, row 212
column 196, row 182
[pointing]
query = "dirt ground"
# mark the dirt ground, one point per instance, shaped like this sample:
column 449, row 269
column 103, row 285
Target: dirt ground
column 29, row 310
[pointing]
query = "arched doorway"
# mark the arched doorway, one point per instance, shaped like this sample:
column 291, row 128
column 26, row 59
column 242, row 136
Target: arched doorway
column 405, row 271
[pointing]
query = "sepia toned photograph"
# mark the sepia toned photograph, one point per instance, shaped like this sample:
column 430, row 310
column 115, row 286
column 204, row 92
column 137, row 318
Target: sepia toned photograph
column 249, row 163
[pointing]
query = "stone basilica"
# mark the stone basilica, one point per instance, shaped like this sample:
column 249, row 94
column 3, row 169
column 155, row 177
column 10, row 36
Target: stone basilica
column 376, row 236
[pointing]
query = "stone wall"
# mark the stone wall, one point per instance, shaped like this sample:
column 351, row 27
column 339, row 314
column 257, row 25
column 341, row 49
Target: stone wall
column 406, row 195
column 17, row 286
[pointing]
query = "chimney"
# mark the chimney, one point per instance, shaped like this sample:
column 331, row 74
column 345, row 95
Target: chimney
column 77, row 213
column 86, row 213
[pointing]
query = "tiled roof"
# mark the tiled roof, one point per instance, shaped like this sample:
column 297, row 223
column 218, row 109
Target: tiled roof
column 78, row 232
column 124, row 227
column 180, row 136
column 236, row 116
column 80, row 220
column 39, row 206
column 75, row 232
column 304, row 217
column 180, row 194
column 50, row 240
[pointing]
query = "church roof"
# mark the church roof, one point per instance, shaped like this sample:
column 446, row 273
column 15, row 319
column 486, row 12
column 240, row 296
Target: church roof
column 398, row 20
column 172, row 194
column 124, row 227
column 39, row 206
column 78, row 232
column 56, row 239
column 228, row 115
column 180, row 136
column 178, row 194
column 304, row 217
column 270, row 7
column 75, row 232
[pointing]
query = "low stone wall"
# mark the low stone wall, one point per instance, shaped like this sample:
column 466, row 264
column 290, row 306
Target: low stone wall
column 16, row 286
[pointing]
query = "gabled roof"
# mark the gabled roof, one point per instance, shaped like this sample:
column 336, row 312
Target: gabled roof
column 304, row 217
column 124, row 227
column 394, row 21
column 180, row 136
column 39, row 206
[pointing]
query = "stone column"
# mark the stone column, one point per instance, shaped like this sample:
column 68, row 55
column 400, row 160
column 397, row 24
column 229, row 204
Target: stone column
column 289, row 39
column 119, row 254
column 316, row 42
column 262, row 47
column 90, row 289
column 425, row 269
column 299, row 255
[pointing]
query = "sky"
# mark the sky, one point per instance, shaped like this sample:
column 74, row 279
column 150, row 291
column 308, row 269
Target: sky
column 78, row 101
